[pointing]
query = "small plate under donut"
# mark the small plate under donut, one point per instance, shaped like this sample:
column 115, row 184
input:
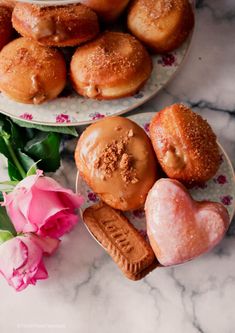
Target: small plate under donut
column 221, row 188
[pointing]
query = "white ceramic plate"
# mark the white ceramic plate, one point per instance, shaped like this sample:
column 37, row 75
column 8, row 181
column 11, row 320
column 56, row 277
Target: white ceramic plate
column 71, row 109
column 221, row 188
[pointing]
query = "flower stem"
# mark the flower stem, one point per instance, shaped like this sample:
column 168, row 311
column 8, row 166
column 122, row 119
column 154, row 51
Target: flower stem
column 14, row 158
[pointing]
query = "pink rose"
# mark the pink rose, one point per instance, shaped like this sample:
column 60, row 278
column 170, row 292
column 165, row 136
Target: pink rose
column 39, row 204
column 21, row 259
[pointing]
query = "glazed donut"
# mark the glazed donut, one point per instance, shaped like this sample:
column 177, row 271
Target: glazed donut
column 107, row 10
column 185, row 144
column 179, row 228
column 163, row 25
column 114, row 65
column 116, row 159
column 31, row 73
column 56, row 25
column 5, row 25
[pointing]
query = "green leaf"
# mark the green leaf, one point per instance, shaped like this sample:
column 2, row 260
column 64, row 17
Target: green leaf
column 7, row 186
column 5, row 235
column 45, row 147
column 8, row 149
column 3, row 163
column 17, row 138
column 5, row 222
column 56, row 129
column 1, row 123
column 3, row 148
column 13, row 172
column 9, row 182
column 33, row 169
column 26, row 161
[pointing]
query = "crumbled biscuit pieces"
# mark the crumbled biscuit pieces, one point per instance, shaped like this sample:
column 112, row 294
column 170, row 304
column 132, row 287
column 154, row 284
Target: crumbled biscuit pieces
column 115, row 156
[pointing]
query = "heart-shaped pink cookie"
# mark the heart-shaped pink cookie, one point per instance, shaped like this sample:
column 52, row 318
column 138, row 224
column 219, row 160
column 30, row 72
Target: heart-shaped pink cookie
column 180, row 228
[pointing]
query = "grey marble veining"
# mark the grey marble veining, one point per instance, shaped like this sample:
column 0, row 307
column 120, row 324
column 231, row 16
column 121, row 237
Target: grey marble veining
column 86, row 292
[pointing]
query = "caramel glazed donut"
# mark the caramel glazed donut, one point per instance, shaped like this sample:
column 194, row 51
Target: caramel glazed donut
column 114, row 65
column 163, row 25
column 56, row 25
column 116, row 159
column 107, row 10
column 31, row 73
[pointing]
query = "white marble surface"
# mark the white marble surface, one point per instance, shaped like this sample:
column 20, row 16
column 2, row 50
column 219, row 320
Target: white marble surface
column 85, row 292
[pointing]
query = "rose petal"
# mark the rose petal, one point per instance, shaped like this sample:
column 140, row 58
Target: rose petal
column 49, row 184
column 29, row 181
column 59, row 224
column 47, row 244
column 34, row 252
column 44, row 206
column 21, row 261
column 12, row 207
column 41, row 272
column 13, row 255
column 20, row 281
column 37, row 202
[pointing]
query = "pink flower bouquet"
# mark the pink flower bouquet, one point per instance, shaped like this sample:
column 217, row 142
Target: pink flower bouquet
column 41, row 211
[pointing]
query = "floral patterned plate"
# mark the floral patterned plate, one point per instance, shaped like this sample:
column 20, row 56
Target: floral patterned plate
column 220, row 188
column 70, row 109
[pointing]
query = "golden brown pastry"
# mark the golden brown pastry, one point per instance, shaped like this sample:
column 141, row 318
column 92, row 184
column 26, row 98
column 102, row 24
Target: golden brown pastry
column 163, row 25
column 5, row 25
column 185, row 144
column 114, row 65
column 56, row 25
column 31, row 73
column 107, row 10
column 8, row 3
column 116, row 159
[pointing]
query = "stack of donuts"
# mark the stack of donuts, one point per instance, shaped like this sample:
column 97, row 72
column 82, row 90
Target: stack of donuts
column 104, row 64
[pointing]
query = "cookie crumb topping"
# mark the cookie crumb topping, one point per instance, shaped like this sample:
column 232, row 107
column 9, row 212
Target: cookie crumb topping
column 115, row 156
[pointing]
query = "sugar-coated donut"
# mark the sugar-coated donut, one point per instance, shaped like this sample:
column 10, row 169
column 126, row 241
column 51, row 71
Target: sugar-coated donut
column 116, row 159
column 179, row 228
column 114, row 65
column 107, row 10
column 31, row 73
column 163, row 25
column 5, row 25
column 185, row 144
column 56, row 25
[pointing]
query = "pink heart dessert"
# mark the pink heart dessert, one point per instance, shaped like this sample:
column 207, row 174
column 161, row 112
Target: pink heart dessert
column 180, row 228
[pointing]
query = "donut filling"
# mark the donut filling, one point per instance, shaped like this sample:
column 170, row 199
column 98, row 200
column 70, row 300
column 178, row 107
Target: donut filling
column 92, row 91
column 174, row 158
column 48, row 27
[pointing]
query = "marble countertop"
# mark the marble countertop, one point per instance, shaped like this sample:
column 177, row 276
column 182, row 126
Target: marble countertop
column 86, row 292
